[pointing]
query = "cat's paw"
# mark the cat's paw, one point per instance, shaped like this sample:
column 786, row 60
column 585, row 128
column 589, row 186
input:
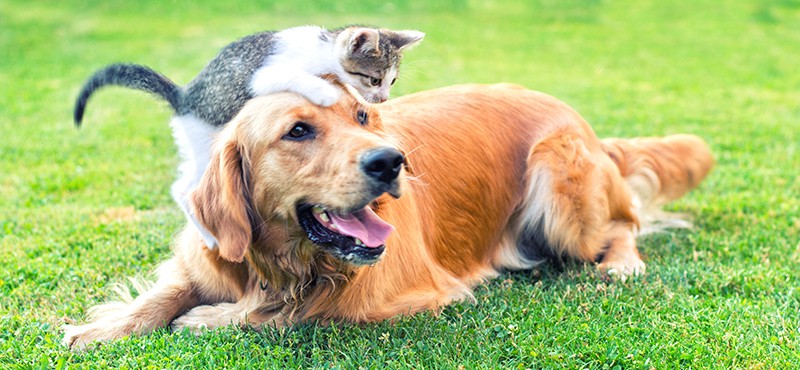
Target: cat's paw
column 325, row 95
column 273, row 79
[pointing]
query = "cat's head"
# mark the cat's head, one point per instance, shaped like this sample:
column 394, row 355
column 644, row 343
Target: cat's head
column 371, row 57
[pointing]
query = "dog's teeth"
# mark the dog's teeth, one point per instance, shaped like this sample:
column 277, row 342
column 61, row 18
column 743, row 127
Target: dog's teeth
column 324, row 217
column 359, row 242
column 318, row 210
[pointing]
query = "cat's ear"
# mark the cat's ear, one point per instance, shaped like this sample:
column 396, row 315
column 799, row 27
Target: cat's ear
column 404, row 39
column 364, row 40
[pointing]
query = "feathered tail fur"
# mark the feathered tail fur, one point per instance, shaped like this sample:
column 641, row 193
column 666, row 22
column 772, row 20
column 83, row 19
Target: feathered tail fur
column 659, row 170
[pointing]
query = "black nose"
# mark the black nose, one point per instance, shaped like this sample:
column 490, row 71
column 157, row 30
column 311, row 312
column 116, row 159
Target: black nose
column 382, row 164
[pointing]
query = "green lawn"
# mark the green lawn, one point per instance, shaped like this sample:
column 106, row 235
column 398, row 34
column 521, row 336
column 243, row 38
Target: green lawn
column 83, row 209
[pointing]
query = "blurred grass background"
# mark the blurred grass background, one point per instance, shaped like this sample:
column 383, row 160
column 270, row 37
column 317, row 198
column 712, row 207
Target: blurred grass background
column 82, row 209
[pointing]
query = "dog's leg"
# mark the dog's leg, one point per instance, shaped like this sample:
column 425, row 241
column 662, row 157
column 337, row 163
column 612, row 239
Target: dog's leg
column 576, row 205
column 621, row 256
column 253, row 310
column 152, row 309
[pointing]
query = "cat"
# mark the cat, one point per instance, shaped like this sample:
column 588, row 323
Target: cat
column 292, row 60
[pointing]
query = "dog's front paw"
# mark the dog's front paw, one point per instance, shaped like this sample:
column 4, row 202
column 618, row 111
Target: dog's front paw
column 202, row 318
column 79, row 337
column 622, row 268
column 189, row 324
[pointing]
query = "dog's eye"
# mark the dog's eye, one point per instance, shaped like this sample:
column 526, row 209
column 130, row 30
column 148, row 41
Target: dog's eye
column 374, row 81
column 362, row 117
column 300, row 131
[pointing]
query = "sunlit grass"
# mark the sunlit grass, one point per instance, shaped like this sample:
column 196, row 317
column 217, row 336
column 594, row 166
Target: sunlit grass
column 82, row 209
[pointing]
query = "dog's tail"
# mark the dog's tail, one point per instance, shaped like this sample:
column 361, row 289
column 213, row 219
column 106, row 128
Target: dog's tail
column 128, row 75
column 660, row 170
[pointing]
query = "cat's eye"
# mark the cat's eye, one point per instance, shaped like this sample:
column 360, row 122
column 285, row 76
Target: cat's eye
column 374, row 81
column 300, row 131
column 393, row 81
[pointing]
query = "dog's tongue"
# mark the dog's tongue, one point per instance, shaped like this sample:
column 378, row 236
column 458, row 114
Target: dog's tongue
column 363, row 224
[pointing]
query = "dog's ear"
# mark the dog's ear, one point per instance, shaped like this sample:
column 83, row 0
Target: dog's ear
column 222, row 202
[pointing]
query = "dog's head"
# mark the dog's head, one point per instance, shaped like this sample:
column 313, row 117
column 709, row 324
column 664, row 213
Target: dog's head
column 285, row 168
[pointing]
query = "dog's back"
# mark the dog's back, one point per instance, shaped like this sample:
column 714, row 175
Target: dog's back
column 519, row 176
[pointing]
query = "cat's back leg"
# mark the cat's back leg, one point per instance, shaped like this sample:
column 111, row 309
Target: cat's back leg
column 194, row 138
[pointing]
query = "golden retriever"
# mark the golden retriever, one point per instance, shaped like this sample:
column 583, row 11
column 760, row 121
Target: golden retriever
column 360, row 212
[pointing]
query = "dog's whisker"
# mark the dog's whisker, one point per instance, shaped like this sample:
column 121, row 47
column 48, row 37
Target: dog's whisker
column 417, row 178
column 407, row 152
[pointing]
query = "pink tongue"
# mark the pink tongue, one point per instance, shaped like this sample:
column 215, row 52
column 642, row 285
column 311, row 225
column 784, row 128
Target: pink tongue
column 363, row 224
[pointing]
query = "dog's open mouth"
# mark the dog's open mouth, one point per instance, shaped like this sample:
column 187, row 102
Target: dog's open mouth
column 358, row 237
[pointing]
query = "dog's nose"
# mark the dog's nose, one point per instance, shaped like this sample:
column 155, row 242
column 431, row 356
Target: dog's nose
column 382, row 164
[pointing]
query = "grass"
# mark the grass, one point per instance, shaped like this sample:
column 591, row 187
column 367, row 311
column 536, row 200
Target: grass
column 82, row 209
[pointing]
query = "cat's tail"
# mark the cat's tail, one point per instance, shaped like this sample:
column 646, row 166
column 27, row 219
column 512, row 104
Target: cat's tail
column 128, row 75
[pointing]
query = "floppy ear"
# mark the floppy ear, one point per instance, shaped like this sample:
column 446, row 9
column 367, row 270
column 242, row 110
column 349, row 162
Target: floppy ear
column 365, row 40
column 222, row 202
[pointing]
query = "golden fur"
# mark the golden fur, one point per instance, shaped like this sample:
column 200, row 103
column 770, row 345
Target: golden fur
column 497, row 177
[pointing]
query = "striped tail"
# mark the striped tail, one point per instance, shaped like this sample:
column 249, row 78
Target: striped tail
column 132, row 76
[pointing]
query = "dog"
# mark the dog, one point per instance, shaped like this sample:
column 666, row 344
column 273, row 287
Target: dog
column 360, row 213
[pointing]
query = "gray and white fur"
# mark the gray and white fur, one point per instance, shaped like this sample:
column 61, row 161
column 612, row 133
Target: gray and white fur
column 268, row 62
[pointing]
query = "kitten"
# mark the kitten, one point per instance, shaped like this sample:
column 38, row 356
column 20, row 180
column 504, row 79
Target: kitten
column 268, row 62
